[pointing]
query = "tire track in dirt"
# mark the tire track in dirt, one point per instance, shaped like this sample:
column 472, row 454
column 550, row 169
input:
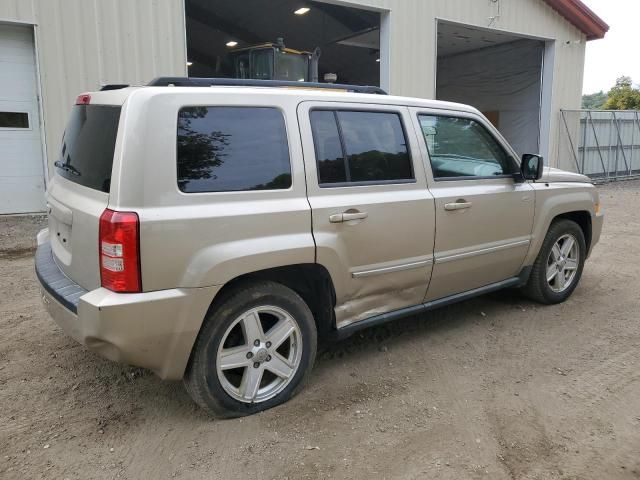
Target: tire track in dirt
column 369, row 406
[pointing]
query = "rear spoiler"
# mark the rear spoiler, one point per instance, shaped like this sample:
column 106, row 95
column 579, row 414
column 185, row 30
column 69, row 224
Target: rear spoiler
column 113, row 86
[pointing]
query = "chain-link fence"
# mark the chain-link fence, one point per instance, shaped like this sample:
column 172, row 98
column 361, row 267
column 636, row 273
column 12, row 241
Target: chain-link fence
column 603, row 144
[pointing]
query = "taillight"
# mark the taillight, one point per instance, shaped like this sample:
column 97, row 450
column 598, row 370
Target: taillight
column 83, row 99
column 120, row 251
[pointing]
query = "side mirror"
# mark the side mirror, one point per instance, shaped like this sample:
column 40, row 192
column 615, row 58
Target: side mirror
column 532, row 166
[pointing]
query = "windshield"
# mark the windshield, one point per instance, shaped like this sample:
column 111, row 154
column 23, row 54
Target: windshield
column 88, row 146
column 262, row 64
column 291, row 66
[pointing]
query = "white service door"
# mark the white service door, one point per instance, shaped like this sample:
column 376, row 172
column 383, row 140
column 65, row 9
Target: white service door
column 21, row 164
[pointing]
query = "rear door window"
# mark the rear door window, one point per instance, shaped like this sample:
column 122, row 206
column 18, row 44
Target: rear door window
column 223, row 149
column 329, row 155
column 360, row 147
column 88, row 146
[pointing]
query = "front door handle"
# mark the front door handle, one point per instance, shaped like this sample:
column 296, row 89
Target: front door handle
column 348, row 215
column 457, row 205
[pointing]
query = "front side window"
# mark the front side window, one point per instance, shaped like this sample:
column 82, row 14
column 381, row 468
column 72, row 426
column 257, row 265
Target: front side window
column 461, row 147
column 360, row 147
column 222, row 149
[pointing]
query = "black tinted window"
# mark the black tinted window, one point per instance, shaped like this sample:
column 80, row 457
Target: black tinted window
column 88, row 145
column 232, row 148
column 461, row 147
column 331, row 166
column 375, row 146
column 373, row 143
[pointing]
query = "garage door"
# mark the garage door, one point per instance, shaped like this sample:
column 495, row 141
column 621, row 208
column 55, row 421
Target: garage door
column 21, row 165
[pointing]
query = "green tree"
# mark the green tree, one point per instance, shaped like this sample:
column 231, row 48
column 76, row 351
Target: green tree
column 594, row 101
column 623, row 96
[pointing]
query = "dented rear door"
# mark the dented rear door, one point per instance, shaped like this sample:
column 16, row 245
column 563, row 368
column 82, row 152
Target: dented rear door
column 373, row 216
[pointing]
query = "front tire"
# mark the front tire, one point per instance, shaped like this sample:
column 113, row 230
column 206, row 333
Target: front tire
column 558, row 267
column 254, row 351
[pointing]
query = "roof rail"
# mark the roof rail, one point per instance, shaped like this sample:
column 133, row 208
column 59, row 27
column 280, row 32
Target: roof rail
column 244, row 82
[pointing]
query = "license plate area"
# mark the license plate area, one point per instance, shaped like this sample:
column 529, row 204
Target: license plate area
column 60, row 231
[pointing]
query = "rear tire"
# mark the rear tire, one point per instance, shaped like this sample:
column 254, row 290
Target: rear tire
column 255, row 351
column 558, row 267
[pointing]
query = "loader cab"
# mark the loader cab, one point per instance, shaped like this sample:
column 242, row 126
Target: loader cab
column 273, row 61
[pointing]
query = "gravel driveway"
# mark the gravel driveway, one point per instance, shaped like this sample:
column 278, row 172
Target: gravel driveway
column 497, row 388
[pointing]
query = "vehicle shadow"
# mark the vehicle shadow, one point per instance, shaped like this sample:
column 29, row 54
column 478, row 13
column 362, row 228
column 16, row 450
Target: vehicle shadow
column 476, row 311
column 128, row 395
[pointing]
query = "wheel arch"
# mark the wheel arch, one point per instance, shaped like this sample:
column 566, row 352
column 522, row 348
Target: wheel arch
column 583, row 219
column 311, row 281
column 538, row 286
column 554, row 203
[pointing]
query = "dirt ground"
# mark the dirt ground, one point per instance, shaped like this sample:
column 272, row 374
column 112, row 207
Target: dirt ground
column 496, row 388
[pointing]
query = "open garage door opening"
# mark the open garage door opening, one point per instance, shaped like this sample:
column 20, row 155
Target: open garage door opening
column 498, row 73
column 281, row 40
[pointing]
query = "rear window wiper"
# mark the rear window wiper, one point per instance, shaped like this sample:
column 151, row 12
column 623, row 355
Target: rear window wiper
column 67, row 168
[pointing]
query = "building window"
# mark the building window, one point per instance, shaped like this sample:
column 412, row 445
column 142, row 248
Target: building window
column 223, row 149
column 360, row 147
column 14, row 120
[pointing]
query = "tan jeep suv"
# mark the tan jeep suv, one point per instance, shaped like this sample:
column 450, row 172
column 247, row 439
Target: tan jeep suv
column 215, row 232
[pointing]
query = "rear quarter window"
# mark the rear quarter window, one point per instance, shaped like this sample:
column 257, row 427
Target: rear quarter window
column 223, row 149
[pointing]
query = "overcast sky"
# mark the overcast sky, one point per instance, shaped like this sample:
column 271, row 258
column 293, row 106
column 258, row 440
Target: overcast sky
column 617, row 54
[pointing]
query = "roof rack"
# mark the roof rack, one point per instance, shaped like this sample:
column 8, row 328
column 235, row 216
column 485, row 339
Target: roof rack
column 243, row 82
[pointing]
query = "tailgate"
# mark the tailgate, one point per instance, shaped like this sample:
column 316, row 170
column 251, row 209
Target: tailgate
column 79, row 191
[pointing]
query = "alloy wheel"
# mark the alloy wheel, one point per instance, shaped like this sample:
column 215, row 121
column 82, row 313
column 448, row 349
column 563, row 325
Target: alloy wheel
column 259, row 354
column 562, row 263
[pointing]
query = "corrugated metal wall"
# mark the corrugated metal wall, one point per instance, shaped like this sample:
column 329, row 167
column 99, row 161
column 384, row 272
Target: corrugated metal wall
column 412, row 25
column 82, row 44
column 602, row 144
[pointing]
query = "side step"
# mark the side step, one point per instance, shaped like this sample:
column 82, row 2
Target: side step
column 349, row 330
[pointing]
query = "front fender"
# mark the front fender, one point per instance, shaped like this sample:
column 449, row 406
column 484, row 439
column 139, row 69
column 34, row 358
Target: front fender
column 554, row 199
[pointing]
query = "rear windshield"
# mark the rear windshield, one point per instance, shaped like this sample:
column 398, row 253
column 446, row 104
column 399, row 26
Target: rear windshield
column 88, row 145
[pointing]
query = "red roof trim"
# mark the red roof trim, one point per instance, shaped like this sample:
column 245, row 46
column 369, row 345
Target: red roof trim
column 582, row 17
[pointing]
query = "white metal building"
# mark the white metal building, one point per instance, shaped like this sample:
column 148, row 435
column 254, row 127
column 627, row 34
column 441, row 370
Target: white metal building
column 518, row 61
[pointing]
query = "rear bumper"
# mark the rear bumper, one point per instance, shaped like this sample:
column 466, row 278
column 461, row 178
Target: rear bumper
column 66, row 292
column 154, row 330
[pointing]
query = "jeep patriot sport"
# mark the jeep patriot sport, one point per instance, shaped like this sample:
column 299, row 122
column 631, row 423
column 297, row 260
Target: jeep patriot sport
column 215, row 234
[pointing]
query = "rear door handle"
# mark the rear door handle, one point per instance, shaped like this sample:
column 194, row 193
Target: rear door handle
column 348, row 215
column 458, row 205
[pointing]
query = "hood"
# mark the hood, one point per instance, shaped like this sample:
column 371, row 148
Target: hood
column 551, row 175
